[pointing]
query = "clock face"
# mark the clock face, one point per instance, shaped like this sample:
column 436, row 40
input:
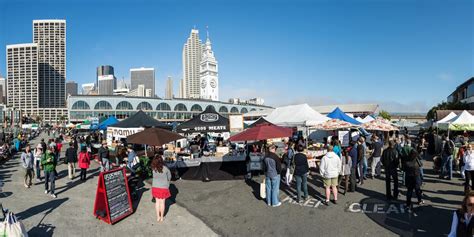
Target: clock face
column 203, row 83
column 213, row 83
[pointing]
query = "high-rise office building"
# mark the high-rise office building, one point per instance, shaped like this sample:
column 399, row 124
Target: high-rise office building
column 169, row 88
column 50, row 35
column 209, row 73
column 181, row 89
column 104, row 70
column 143, row 76
column 191, row 63
column 107, row 84
column 22, row 77
column 3, row 88
column 71, row 88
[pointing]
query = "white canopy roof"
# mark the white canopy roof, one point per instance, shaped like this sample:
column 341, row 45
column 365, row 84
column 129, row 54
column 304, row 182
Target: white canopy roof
column 296, row 115
column 463, row 121
column 367, row 119
column 447, row 118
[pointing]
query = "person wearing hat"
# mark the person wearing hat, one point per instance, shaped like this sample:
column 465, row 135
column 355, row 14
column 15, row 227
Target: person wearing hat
column 104, row 157
column 71, row 160
column 38, row 154
column 84, row 162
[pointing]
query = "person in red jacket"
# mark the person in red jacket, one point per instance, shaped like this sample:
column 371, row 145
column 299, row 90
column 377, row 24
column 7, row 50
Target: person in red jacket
column 84, row 162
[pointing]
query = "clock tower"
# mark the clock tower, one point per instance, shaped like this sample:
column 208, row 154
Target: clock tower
column 208, row 73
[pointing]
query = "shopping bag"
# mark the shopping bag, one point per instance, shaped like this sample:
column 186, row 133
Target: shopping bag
column 262, row 190
column 14, row 227
column 288, row 176
column 3, row 229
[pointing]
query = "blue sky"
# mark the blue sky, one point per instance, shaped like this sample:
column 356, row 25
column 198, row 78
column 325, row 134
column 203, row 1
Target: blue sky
column 404, row 55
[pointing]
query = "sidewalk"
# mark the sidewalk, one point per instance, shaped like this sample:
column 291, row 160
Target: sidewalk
column 70, row 214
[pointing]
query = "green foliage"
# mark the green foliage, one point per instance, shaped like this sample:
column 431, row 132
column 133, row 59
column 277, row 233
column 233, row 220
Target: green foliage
column 145, row 168
column 385, row 115
column 446, row 106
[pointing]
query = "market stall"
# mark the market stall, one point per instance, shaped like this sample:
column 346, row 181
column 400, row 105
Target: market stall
column 207, row 121
column 339, row 114
column 462, row 122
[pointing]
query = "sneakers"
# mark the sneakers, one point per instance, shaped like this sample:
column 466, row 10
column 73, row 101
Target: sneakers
column 334, row 201
column 53, row 195
column 277, row 205
column 45, row 191
column 26, row 186
column 421, row 203
column 326, row 202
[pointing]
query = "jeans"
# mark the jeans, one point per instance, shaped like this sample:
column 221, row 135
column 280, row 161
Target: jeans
column 352, row 179
column 49, row 177
column 38, row 170
column 301, row 180
column 360, row 171
column 105, row 165
column 272, row 186
column 447, row 166
column 413, row 183
column 364, row 166
column 391, row 174
column 376, row 166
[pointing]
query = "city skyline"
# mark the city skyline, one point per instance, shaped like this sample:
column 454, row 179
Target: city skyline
column 411, row 44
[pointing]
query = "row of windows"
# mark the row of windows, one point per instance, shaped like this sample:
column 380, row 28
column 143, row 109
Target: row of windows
column 125, row 105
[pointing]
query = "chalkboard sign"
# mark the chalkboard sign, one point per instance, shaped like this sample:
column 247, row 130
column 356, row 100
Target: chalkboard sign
column 113, row 201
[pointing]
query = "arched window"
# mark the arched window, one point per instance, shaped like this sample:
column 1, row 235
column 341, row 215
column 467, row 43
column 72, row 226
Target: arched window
column 196, row 108
column 144, row 106
column 211, row 106
column 244, row 110
column 81, row 105
column 163, row 106
column 103, row 105
column 124, row 105
column 180, row 107
column 223, row 109
column 234, row 110
column 253, row 110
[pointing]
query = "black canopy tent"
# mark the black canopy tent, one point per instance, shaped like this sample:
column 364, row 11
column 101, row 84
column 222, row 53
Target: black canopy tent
column 259, row 121
column 141, row 119
column 207, row 121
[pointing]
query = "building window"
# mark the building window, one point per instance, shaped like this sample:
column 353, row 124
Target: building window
column 234, row 110
column 80, row 105
column 124, row 105
column 144, row 106
column 103, row 105
column 244, row 110
column 223, row 109
column 163, row 106
column 196, row 108
column 180, row 107
column 253, row 110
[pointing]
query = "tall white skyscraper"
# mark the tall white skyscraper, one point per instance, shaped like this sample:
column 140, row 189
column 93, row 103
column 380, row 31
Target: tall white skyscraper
column 107, row 84
column 50, row 35
column 209, row 73
column 191, row 62
column 181, row 89
column 3, row 85
column 22, row 77
column 169, row 88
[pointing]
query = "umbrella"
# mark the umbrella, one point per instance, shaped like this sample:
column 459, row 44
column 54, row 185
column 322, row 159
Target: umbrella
column 379, row 124
column 334, row 124
column 262, row 132
column 153, row 137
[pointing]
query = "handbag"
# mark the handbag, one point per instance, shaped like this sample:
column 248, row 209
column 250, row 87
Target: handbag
column 263, row 190
column 13, row 226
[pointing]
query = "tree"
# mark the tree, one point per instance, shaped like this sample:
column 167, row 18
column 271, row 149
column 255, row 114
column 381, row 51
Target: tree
column 385, row 115
column 38, row 119
column 446, row 106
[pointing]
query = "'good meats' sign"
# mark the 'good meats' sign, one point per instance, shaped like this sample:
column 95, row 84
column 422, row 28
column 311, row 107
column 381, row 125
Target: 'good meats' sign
column 209, row 118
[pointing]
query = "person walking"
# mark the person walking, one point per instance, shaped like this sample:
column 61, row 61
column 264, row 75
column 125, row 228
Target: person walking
column 463, row 223
column 49, row 166
column 346, row 168
column 84, row 162
column 377, row 153
column 272, row 176
column 390, row 162
column 71, row 160
column 160, row 185
column 288, row 160
column 469, row 169
column 360, row 160
column 353, row 155
column 329, row 169
column 104, row 157
column 38, row 154
column 27, row 161
column 301, row 169
column 412, row 178
column 447, row 151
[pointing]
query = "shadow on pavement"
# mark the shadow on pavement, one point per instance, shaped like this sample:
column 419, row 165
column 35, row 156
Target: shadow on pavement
column 172, row 200
column 48, row 207
column 41, row 229
column 95, row 172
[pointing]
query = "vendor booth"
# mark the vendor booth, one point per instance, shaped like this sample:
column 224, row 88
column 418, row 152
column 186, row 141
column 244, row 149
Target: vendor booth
column 135, row 123
column 462, row 122
column 296, row 116
column 108, row 122
column 207, row 121
column 339, row 114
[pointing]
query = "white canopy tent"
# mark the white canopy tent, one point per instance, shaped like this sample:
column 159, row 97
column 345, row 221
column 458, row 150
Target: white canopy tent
column 367, row 119
column 464, row 121
column 446, row 119
column 296, row 115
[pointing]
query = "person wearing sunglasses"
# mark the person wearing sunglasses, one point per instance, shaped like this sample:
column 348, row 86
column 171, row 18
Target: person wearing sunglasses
column 462, row 224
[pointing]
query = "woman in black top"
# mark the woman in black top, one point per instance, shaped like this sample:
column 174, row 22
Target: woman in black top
column 463, row 225
column 412, row 177
column 301, row 169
